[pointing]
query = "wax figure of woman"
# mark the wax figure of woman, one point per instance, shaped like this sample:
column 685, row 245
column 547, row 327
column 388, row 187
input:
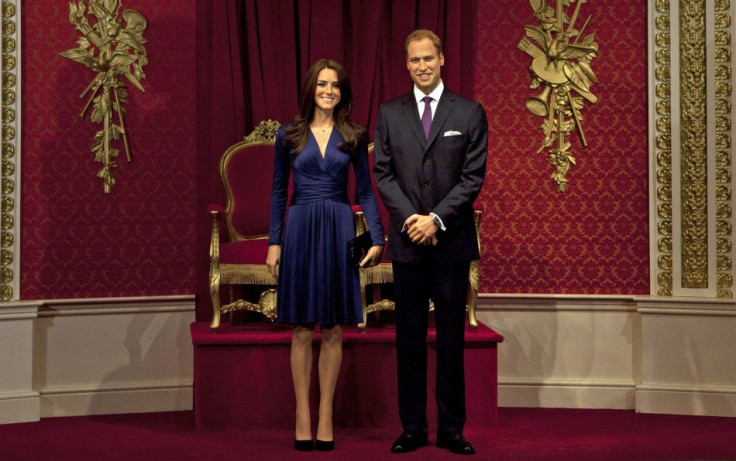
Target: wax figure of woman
column 308, row 251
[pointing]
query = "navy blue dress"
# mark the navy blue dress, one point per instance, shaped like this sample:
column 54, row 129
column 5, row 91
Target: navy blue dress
column 316, row 281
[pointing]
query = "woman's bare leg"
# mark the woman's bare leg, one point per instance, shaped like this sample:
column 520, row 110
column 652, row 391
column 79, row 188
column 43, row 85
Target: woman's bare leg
column 330, row 358
column 301, row 368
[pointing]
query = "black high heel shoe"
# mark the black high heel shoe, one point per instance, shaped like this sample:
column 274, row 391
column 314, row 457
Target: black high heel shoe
column 322, row 445
column 303, row 445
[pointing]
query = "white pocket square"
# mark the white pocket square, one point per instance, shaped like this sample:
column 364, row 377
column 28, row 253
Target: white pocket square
column 452, row 133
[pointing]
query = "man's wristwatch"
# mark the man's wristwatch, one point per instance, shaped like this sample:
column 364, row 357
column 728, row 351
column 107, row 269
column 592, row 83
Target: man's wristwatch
column 436, row 221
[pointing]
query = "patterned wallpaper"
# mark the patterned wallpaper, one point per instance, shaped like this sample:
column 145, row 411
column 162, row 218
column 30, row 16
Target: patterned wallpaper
column 593, row 238
column 140, row 240
column 78, row 242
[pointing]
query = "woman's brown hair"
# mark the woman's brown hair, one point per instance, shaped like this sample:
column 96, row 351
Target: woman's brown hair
column 297, row 133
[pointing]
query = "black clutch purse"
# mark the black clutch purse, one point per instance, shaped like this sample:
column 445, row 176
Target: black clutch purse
column 358, row 246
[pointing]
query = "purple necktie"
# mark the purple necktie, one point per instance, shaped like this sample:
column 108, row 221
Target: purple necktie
column 427, row 116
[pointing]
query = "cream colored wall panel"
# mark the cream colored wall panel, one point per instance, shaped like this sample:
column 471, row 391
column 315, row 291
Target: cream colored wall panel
column 688, row 359
column 19, row 402
column 681, row 350
column 578, row 352
column 98, row 357
column 565, row 344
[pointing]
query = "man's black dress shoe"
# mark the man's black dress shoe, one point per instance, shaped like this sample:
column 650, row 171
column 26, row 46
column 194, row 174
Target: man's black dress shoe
column 455, row 442
column 322, row 445
column 409, row 441
column 303, row 445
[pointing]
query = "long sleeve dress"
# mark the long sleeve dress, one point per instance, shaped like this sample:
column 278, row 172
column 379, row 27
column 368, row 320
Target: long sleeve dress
column 317, row 284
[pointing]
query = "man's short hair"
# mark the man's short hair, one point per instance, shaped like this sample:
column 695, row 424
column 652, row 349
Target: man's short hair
column 420, row 34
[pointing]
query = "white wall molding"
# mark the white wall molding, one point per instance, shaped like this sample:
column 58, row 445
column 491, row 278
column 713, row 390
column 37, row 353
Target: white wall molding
column 651, row 354
column 116, row 355
column 126, row 305
column 19, row 401
column 95, row 356
column 142, row 397
column 688, row 360
column 123, row 355
column 549, row 393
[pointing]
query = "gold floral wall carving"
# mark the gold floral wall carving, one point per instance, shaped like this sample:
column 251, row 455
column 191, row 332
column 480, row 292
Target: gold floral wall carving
column 9, row 205
column 693, row 144
column 723, row 144
column 561, row 51
column 663, row 113
column 704, row 135
column 112, row 51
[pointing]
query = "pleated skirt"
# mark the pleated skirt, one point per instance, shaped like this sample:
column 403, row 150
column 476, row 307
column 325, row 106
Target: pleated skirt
column 317, row 284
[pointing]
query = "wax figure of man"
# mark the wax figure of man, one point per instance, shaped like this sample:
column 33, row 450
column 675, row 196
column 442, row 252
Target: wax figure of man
column 430, row 162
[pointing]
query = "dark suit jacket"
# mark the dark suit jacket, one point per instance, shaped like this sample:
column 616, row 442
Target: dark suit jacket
column 442, row 174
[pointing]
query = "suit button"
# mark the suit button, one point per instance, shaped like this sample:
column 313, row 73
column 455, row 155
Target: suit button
column 427, row 160
column 426, row 184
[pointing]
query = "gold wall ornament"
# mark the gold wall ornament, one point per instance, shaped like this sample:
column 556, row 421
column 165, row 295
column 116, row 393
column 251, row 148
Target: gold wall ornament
column 691, row 149
column 112, row 51
column 561, row 59
column 11, row 136
column 693, row 145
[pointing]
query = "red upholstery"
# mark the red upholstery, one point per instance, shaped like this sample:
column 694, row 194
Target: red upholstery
column 249, row 173
column 245, row 252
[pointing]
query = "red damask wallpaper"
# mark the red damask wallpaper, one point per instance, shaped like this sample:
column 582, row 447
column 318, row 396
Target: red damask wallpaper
column 593, row 238
column 141, row 239
column 78, row 242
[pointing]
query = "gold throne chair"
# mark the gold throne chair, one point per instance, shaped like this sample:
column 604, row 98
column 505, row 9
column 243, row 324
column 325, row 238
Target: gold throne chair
column 238, row 259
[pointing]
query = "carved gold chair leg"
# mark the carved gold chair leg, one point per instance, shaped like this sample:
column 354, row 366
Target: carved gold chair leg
column 474, row 274
column 473, row 292
column 267, row 304
column 215, row 270
column 360, row 227
column 215, row 296
column 363, row 301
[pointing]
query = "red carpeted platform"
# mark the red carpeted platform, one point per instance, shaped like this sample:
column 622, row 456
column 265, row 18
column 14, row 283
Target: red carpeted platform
column 242, row 377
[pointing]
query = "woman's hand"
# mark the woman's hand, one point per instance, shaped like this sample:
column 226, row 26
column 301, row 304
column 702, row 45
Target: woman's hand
column 372, row 256
column 272, row 259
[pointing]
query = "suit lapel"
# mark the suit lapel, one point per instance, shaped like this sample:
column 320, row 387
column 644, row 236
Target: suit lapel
column 444, row 107
column 412, row 117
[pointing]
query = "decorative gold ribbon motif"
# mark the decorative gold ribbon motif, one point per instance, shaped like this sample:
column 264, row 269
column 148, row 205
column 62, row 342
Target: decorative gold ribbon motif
column 561, row 64
column 111, row 51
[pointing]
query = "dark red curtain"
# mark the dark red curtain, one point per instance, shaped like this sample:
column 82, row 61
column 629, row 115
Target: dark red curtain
column 282, row 38
column 252, row 55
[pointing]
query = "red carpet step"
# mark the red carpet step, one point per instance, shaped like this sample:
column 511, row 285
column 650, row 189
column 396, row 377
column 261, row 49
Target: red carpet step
column 242, row 377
